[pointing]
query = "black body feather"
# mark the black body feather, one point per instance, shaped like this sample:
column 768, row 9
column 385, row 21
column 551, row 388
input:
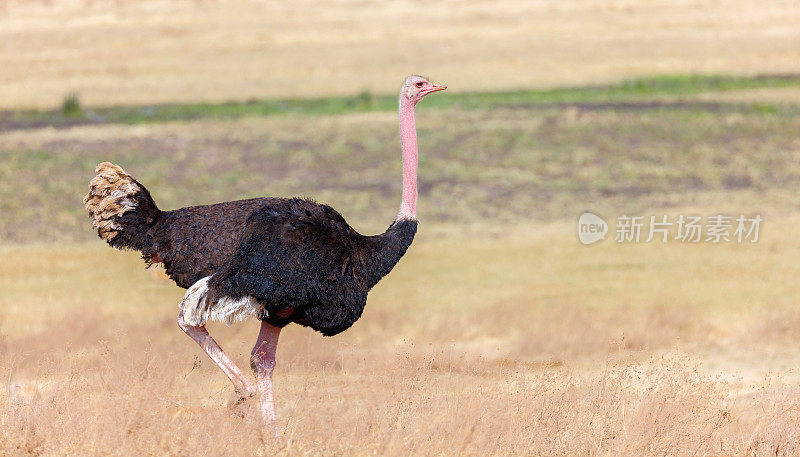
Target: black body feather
column 196, row 241
column 299, row 260
column 301, row 256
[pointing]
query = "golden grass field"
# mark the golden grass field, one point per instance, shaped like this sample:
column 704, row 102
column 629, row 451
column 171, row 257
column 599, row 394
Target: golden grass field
column 498, row 333
column 528, row 344
column 132, row 52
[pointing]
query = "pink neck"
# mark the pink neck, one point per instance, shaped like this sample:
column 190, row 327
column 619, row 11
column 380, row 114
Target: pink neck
column 408, row 140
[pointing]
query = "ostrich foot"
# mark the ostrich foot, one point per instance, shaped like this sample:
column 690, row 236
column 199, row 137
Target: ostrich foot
column 240, row 403
column 241, row 396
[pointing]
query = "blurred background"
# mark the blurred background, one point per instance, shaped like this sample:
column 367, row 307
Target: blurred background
column 499, row 333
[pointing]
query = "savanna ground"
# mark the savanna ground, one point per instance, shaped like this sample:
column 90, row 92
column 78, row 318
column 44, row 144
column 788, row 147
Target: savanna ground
column 499, row 333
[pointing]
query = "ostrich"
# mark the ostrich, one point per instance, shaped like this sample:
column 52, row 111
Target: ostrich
column 280, row 260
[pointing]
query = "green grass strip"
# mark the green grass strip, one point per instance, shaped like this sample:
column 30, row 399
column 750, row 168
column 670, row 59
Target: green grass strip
column 677, row 87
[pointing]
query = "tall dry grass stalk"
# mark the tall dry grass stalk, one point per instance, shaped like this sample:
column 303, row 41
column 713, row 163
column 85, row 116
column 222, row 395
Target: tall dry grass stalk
column 116, row 393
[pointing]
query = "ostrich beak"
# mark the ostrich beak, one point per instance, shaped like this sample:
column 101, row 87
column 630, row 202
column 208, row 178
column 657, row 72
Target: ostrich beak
column 435, row 88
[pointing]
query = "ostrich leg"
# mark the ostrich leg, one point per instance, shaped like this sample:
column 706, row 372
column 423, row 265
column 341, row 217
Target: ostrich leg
column 263, row 362
column 244, row 388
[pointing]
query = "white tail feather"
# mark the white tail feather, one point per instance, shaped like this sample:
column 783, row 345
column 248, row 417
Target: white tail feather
column 197, row 310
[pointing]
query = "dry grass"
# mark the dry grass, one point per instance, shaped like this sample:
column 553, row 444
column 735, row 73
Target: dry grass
column 134, row 52
column 524, row 344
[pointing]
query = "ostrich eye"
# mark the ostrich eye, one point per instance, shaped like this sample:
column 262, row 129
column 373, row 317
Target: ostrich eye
column 419, row 84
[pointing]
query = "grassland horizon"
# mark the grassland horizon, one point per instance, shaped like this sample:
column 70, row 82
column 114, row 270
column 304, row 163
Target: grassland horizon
column 644, row 92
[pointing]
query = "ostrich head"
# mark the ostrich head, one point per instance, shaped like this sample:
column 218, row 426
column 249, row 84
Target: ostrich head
column 416, row 87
